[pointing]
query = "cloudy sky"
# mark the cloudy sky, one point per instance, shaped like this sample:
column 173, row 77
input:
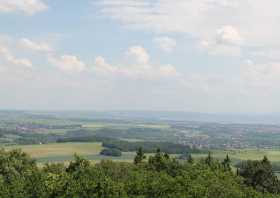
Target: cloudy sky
column 188, row 55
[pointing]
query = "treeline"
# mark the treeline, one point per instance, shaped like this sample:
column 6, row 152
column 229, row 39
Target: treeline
column 125, row 146
column 275, row 166
column 260, row 175
column 149, row 147
column 89, row 138
column 159, row 176
column 4, row 131
column 26, row 138
column 142, row 133
column 111, row 152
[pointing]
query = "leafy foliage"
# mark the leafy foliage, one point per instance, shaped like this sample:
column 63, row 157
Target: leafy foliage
column 161, row 176
column 260, row 176
column 140, row 156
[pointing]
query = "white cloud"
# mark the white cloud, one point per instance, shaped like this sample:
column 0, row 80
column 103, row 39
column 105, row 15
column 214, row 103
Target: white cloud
column 68, row 63
column 28, row 7
column 165, row 43
column 139, row 54
column 102, row 66
column 227, row 42
column 200, row 19
column 228, row 35
column 168, row 70
column 264, row 74
column 10, row 58
column 35, row 46
column 272, row 54
column 140, row 68
column 216, row 49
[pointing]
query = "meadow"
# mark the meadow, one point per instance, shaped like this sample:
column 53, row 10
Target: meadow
column 238, row 155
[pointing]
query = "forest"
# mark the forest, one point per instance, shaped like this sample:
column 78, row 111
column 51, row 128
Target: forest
column 155, row 176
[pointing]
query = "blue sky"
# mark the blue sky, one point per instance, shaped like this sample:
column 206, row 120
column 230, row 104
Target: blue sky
column 202, row 56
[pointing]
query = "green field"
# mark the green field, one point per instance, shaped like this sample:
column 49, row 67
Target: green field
column 61, row 152
column 246, row 154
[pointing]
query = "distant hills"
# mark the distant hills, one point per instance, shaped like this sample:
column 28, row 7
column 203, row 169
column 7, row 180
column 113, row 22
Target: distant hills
column 155, row 116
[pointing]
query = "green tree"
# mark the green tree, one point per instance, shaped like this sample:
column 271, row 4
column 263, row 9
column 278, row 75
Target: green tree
column 209, row 159
column 78, row 164
column 140, row 156
column 226, row 163
column 260, row 176
column 190, row 159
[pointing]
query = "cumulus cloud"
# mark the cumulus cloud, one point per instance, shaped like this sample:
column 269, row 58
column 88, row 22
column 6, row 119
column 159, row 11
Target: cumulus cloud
column 28, row 7
column 10, row 58
column 35, row 46
column 68, row 63
column 165, row 43
column 139, row 54
column 227, row 41
column 141, row 67
column 228, row 35
column 200, row 19
column 103, row 67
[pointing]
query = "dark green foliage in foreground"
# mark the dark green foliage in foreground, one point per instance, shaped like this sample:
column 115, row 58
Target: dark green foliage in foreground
column 140, row 156
column 226, row 163
column 111, row 152
column 259, row 175
column 160, row 177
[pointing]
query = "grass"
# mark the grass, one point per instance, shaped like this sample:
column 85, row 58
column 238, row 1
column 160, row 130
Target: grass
column 246, row 154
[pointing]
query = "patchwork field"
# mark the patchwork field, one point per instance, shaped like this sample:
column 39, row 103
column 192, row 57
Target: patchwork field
column 64, row 152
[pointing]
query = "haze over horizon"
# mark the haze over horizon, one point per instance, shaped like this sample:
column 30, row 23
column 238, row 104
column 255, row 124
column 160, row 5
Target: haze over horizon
column 208, row 56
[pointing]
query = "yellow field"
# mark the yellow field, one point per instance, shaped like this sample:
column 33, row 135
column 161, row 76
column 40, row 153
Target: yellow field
column 62, row 149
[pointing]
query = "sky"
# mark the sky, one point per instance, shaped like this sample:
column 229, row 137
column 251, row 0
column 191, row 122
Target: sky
column 158, row 55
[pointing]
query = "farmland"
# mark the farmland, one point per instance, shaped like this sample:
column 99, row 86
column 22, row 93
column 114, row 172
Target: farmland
column 64, row 152
column 57, row 136
column 58, row 152
column 64, row 149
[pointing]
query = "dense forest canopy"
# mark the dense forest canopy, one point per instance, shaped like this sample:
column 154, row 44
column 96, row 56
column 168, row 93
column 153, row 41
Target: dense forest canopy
column 156, row 176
